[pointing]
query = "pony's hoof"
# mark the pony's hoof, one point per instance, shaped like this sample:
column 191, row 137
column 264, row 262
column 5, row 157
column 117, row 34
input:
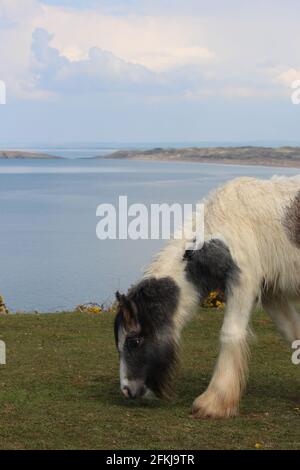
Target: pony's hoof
column 209, row 405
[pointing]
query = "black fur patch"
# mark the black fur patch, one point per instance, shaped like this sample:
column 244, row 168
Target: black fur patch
column 156, row 301
column 291, row 220
column 153, row 303
column 212, row 267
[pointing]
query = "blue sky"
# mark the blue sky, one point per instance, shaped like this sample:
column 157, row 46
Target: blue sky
column 136, row 71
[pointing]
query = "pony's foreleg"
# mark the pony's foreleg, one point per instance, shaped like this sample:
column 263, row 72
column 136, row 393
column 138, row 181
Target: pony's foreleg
column 284, row 315
column 221, row 399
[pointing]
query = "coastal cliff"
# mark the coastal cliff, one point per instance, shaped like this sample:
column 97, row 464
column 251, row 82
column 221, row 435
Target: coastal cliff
column 248, row 155
column 20, row 154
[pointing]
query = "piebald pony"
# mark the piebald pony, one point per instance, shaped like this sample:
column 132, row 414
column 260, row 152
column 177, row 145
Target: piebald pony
column 252, row 252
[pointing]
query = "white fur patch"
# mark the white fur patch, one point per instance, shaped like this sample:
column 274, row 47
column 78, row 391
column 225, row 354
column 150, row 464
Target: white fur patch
column 123, row 374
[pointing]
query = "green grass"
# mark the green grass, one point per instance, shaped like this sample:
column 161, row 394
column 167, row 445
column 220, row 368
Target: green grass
column 60, row 390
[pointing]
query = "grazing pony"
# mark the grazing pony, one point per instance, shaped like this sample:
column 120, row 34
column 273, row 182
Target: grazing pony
column 251, row 252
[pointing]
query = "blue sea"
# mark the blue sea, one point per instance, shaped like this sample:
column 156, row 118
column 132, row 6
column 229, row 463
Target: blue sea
column 50, row 256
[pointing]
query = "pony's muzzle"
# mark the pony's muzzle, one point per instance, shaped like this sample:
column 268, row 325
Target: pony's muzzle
column 135, row 392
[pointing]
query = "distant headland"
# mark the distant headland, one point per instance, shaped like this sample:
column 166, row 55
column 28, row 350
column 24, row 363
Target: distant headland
column 246, row 155
column 22, row 155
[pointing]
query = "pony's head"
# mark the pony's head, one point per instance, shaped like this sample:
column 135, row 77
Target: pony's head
column 145, row 336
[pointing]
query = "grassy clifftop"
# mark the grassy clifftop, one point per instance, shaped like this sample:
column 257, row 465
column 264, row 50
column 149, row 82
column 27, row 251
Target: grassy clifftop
column 60, row 389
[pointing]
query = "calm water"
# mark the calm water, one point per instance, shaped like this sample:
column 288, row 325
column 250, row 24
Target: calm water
column 49, row 254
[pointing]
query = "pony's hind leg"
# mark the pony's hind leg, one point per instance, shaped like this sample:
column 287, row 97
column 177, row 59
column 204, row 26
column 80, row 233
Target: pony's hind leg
column 285, row 316
column 221, row 399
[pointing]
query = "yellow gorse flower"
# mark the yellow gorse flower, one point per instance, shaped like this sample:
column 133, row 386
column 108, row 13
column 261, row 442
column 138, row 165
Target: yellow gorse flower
column 215, row 299
column 90, row 308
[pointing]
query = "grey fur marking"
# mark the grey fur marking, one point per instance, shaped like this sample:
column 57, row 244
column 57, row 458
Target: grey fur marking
column 212, row 267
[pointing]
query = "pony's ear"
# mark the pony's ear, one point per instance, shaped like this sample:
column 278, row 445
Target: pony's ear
column 121, row 298
column 128, row 312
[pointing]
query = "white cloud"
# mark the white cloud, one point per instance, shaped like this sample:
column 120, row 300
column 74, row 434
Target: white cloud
column 100, row 71
column 73, row 53
column 158, row 43
column 18, row 11
column 191, row 56
column 288, row 76
column 16, row 19
column 166, row 59
column 140, row 48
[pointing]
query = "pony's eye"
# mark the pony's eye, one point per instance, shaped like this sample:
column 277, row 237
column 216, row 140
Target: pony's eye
column 134, row 342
